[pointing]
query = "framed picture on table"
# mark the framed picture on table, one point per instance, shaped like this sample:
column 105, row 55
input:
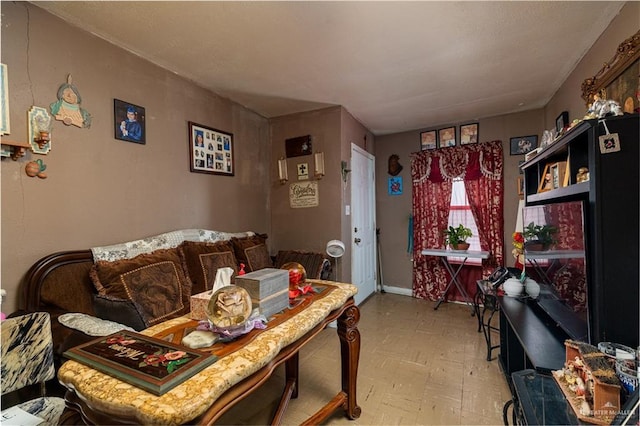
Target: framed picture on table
column 210, row 150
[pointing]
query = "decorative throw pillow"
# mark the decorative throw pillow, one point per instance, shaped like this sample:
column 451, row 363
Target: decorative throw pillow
column 122, row 311
column 312, row 261
column 252, row 251
column 201, row 261
column 154, row 281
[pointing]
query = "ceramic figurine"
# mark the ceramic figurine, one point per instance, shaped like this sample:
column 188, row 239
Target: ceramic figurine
column 67, row 108
column 36, row 168
column 601, row 108
column 582, row 175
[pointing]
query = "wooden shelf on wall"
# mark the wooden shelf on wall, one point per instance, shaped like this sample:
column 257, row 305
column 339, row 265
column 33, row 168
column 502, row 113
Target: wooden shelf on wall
column 14, row 150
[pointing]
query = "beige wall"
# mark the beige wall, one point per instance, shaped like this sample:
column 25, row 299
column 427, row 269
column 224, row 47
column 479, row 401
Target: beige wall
column 307, row 228
column 101, row 190
column 569, row 96
column 393, row 211
column 332, row 130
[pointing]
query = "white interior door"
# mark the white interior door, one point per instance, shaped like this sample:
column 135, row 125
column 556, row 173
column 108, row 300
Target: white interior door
column 363, row 223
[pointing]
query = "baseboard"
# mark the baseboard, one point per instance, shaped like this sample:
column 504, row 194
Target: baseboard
column 398, row 290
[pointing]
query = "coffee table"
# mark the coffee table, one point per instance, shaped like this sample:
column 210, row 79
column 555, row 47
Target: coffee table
column 243, row 366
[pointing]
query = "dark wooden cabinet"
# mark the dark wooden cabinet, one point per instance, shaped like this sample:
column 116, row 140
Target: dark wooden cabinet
column 611, row 216
column 531, row 334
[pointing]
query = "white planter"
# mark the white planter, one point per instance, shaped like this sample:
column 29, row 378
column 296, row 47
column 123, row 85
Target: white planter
column 513, row 287
column 532, row 288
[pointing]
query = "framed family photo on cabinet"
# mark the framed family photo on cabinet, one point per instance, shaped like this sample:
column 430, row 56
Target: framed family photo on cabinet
column 210, row 150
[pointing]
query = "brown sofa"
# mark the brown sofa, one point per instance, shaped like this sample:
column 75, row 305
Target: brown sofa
column 90, row 281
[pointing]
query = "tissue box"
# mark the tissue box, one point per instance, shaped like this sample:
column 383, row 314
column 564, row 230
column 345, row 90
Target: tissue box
column 268, row 288
column 199, row 304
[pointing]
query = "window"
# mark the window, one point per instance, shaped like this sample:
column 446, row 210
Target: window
column 460, row 213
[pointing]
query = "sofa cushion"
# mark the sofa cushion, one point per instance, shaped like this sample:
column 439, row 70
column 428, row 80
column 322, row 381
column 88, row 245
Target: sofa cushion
column 252, row 251
column 313, row 262
column 69, row 288
column 123, row 311
column 201, row 261
column 154, row 281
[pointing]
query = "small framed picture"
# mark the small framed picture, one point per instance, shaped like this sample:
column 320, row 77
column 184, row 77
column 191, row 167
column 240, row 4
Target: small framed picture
column 447, row 137
column 129, row 122
column 520, row 183
column 210, row 150
column 609, row 143
column 523, row 144
column 295, row 147
column 395, row 185
column 428, row 140
column 468, row 133
column 546, row 182
column 562, row 122
column 559, row 174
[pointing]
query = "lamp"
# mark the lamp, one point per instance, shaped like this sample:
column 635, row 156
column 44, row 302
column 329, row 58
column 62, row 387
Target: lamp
column 335, row 249
column 283, row 174
column 318, row 159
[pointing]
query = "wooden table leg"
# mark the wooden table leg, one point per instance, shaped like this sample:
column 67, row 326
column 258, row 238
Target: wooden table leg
column 350, row 354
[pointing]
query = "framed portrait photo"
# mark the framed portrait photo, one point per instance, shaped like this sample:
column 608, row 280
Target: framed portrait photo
column 210, row 150
column 428, row 140
column 523, row 144
column 469, row 133
column 447, row 137
column 129, row 122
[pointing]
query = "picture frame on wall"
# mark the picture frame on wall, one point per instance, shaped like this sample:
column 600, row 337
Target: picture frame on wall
column 428, row 140
column 447, row 137
column 523, row 144
column 469, row 133
column 129, row 122
column 5, row 123
column 210, row 150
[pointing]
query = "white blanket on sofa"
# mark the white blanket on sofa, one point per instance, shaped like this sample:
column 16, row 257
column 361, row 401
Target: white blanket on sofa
column 131, row 249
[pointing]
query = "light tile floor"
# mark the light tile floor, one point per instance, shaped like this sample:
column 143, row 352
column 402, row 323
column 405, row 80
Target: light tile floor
column 418, row 366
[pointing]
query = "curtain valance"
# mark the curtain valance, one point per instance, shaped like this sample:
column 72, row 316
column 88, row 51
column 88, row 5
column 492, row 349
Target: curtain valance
column 468, row 162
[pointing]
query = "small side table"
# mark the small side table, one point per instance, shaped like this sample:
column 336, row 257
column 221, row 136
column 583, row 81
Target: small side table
column 539, row 401
column 486, row 296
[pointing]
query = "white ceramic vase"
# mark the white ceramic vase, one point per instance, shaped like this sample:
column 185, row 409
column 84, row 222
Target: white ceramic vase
column 532, row 288
column 513, row 287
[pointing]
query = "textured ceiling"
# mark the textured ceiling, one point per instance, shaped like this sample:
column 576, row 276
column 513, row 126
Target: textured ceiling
column 395, row 66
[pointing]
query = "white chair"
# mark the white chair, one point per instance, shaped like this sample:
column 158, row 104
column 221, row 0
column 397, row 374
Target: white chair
column 27, row 359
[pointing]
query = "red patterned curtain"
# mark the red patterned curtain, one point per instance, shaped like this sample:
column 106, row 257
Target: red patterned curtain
column 481, row 167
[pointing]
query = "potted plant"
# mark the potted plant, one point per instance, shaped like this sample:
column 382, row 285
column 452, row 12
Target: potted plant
column 539, row 237
column 456, row 238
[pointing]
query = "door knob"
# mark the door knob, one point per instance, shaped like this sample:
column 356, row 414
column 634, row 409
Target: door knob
column 357, row 240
